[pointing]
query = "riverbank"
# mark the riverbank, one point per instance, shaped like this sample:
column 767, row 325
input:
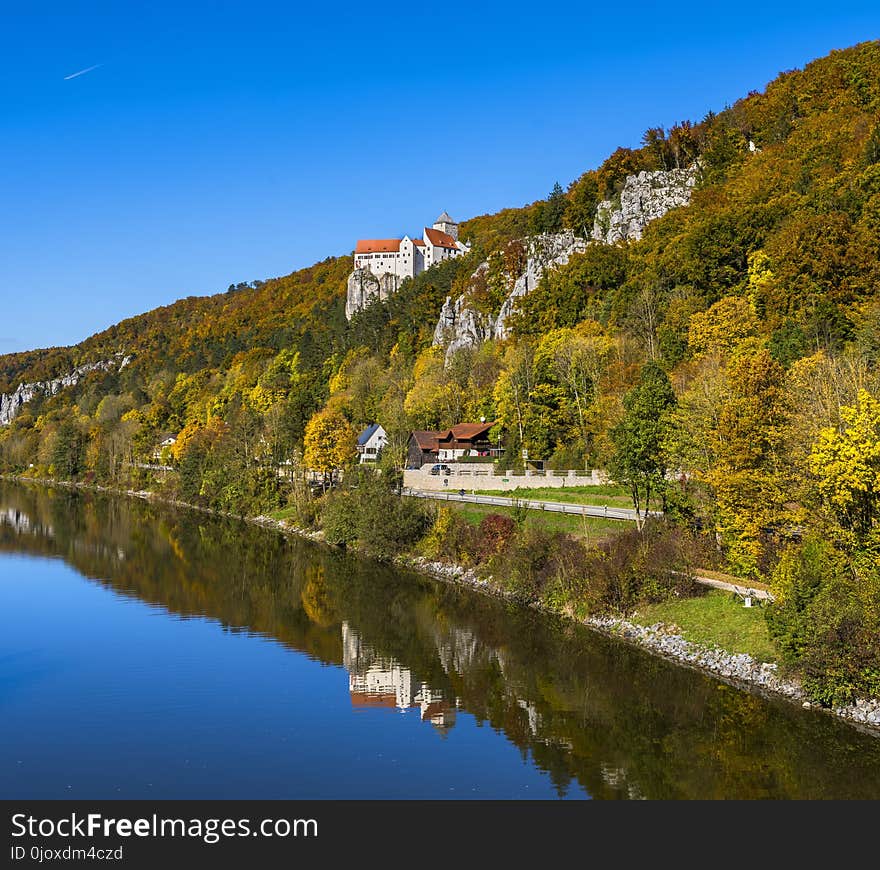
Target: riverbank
column 737, row 669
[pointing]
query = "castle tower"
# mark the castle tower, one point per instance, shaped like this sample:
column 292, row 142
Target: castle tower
column 446, row 224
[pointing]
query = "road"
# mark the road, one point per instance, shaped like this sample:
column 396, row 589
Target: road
column 560, row 507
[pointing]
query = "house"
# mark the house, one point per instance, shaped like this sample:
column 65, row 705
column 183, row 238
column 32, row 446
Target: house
column 422, row 448
column 370, row 442
column 463, row 439
column 165, row 441
column 411, row 255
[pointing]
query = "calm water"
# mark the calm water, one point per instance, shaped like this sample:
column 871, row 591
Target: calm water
column 146, row 652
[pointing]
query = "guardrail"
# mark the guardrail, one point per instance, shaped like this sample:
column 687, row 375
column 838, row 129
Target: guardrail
column 581, row 510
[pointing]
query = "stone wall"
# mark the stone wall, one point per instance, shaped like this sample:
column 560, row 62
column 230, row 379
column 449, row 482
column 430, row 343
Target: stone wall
column 477, row 475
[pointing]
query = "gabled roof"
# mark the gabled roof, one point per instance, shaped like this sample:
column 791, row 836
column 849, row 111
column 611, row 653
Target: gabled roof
column 418, row 242
column 465, row 432
column 440, row 239
column 426, row 440
column 444, row 219
column 367, row 434
column 377, row 246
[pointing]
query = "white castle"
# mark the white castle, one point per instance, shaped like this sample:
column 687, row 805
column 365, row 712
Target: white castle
column 407, row 257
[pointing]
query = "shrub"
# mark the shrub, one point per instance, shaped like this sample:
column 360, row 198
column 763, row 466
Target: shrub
column 339, row 518
column 635, row 568
column 494, row 533
column 370, row 515
column 524, row 566
column 451, row 538
column 826, row 622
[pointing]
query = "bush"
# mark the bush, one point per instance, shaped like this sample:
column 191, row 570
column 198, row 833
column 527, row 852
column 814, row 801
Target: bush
column 826, row 622
column 526, row 563
column 451, row 538
column 370, row 515
column 494, row 534
column 339, row 518
column 635, row 568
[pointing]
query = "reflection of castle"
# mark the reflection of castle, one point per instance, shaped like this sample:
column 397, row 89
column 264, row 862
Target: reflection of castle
column 380, row 682
column 21, row 522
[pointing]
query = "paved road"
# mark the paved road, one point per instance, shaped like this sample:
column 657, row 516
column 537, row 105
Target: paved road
column 560, row 507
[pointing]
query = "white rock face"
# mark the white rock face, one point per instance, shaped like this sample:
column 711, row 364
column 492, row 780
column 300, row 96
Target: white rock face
column 461, row 326
column 644, row 198
column 364, row 288
column 546, row 251
column 11, row 403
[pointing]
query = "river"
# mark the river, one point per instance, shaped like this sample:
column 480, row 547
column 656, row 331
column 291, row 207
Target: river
column 150, row 652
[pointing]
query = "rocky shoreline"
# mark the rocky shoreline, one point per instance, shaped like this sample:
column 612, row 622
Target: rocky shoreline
column 737, row 669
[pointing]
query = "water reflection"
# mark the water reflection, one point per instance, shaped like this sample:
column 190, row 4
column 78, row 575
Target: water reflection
column 592, row 714
column 375, row 681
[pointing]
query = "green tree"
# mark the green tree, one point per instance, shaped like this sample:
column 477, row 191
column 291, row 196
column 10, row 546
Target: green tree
column 639, row 460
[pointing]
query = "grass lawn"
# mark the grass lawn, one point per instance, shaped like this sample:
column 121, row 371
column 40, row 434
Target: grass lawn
column 589, row 528
column 282, row 513
column 610, row 495
column 715, row 619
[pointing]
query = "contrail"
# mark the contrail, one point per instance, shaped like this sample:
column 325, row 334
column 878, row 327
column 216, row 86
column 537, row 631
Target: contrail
column 82, row 72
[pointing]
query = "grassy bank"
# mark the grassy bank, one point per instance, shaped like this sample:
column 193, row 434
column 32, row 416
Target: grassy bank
column 601, row 496
column 715, row 619
column 588, row 528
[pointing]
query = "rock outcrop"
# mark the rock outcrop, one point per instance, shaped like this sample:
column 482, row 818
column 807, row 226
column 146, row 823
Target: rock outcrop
column 644, row 198
column 364, row 288
column 462, row 325
column 543, row 252
column 11, row 403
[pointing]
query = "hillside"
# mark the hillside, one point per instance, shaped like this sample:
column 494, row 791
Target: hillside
column 730, row 343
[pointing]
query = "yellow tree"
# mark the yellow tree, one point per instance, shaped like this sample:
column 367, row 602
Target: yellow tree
column 330, row 442
column 846, row 464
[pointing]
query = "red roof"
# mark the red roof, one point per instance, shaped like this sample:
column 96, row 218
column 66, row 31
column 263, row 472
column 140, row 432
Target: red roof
column 439, row 238
column 425, row 440
column 465, row 432
column 373, row 699
column 377, row 246
column 418, row 242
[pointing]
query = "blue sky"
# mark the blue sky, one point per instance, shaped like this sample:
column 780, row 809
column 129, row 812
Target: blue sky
column 221, row 142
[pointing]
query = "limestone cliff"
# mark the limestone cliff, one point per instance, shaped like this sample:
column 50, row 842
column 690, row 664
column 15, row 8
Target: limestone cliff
column 644, row 198
column 365, row 288
column 462, row 325
column 543, row 252
column 11, row 403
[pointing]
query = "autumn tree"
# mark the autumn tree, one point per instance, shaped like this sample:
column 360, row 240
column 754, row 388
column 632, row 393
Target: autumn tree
column 330, row 442
column 845, row 462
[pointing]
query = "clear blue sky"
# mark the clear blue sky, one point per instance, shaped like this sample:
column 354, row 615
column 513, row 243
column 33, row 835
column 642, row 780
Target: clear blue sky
column 226, row 141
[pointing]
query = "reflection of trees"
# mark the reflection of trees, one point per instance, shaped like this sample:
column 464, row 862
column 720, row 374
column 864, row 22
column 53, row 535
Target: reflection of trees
column 586, row 709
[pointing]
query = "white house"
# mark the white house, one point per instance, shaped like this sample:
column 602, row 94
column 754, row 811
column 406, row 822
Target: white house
column 407, row 257
column 371, row 441
column 165, row 442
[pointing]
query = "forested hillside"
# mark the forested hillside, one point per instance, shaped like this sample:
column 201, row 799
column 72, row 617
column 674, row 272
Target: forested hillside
column 728, row 360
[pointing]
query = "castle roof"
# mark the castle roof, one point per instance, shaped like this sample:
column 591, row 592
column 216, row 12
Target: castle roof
column 439, row 238
column 444, row 219
column 377, row 246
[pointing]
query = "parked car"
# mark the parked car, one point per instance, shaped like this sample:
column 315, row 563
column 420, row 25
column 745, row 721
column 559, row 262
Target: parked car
column 441, row 469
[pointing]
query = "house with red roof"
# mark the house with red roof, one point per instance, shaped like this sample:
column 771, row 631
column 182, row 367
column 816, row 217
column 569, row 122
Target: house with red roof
column 448, row 445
